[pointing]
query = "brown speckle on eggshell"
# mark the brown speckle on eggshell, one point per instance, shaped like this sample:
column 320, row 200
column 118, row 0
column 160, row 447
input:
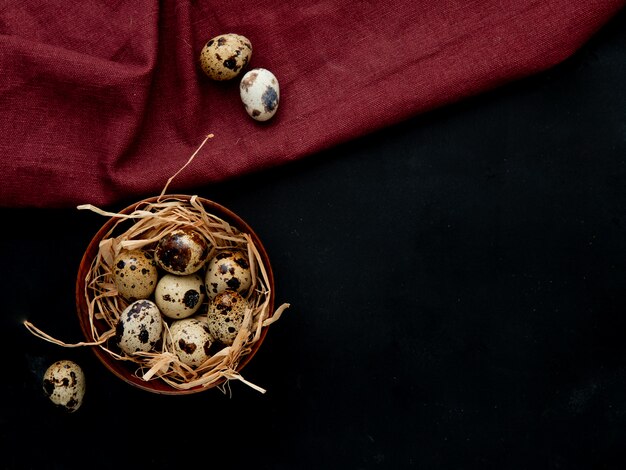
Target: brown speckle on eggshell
column 228, row 269
column 64, row 385
column 260, row 94
column 179, row 296
column 182, row 251
column 226, row 315
column 139, row 327
column 135, row 274
column 225, row 56
column 191, row 340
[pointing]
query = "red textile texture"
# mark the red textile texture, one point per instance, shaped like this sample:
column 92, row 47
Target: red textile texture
column 104, row 100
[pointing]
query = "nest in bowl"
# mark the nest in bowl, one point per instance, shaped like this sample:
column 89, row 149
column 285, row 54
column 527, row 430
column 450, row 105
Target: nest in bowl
column 141, row 227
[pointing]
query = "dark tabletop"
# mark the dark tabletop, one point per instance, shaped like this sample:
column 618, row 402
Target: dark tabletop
column 458, row 300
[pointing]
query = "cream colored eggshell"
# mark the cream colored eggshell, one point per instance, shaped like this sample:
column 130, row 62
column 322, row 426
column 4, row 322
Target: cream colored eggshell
column 228, row 269
column 64, row 385
column 226, row 315
column 182, row 251
column 179, row 296
column 191, row 340
column 225, row 56
column 139, row 327
column 260, row 94
column 135, row 274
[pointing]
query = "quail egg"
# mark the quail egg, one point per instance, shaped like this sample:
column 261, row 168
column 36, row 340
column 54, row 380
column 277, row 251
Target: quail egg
column 182, row 251
column 64, row 385
column 226, row 315
column 260, row 94
column 228, row 269
column 192, row 341
column 139, row 327
column 224, row 56
column 135, row 274
column 179, row 296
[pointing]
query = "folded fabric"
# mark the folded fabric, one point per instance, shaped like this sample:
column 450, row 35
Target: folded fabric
column 104, row 101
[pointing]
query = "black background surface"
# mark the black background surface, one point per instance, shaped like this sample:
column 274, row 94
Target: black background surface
column 457, row 290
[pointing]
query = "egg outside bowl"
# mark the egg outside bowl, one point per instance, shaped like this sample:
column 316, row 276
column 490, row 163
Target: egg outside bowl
column 97, row 329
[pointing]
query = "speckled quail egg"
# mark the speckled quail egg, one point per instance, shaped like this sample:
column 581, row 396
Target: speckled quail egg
column 228, row 269
column 224, row 56
column 64, row 385
column 225, row 316
column 135, row 274
column 179, row 296
column 139, row 327
column 192, row 340
column 182, row 251
column 260, row 94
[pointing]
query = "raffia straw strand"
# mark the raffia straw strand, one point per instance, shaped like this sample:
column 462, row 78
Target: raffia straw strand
column 233, row 375
column 45, row 336
column 279, row 311
column 210, row 136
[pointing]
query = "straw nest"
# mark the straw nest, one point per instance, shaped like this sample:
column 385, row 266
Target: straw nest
column 142, row 229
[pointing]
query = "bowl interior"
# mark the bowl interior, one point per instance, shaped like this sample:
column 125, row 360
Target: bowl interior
column 126, row 370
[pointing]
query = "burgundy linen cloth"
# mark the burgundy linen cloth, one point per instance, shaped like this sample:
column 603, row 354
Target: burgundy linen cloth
column 104, row 100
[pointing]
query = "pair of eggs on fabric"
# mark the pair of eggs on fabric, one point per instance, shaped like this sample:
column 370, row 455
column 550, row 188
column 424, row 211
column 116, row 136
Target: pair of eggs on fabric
column 224, row 57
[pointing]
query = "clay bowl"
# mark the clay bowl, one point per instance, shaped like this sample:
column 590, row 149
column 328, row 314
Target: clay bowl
column 126, row 370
